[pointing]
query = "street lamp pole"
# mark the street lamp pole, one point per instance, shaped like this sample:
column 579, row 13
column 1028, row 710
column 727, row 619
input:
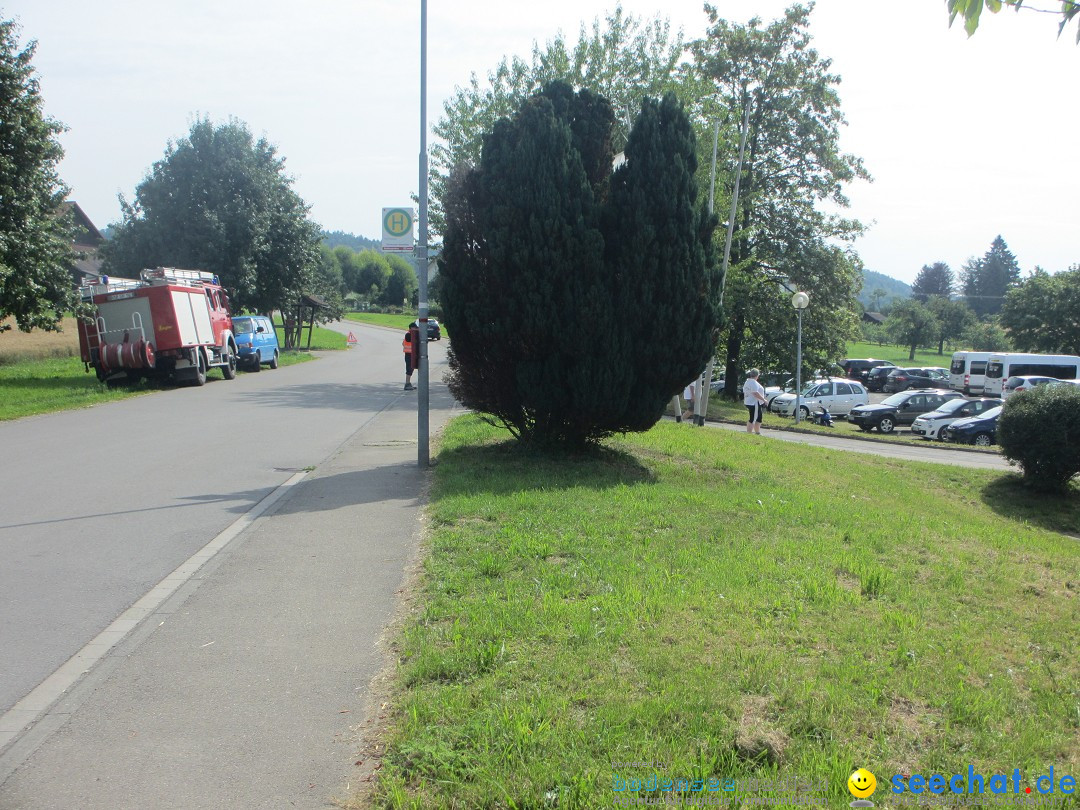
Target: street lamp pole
column 799, row 300
column 422, row 422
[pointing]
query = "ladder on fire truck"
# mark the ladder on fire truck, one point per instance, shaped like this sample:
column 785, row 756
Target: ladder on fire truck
column 194, row 278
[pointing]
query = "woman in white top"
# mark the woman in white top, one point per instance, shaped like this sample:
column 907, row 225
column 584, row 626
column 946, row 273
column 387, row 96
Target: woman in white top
column 753, row 399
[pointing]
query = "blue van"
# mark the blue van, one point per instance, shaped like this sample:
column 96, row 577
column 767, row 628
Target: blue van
column 256, row 342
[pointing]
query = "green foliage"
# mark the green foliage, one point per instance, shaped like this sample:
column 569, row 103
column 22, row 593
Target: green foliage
column 971, row 11
column 1040, row 313
column 952, row 317
column 35, row 232
column 985, row 281
column 933, row 279
column 912, row 324
column 986, row 336
column 622, row 59
column 333, row 239
column 579, row 302
column 1040, row 430
column 793, row 165
column 220, row 201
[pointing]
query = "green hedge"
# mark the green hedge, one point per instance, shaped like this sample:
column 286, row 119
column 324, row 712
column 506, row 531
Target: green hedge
column 1040, row 430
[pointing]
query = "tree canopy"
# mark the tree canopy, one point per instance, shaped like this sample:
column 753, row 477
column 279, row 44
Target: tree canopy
column 971, row 11
column 35, row 230
column 933, row 279
column 793, row 164
column 1042, row 313
column 985, row 281
column 579, row 301
column 219, row 200
column 622, row 59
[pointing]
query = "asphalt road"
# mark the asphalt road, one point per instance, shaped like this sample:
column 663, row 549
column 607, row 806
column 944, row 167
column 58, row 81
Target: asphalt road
column 98, row 505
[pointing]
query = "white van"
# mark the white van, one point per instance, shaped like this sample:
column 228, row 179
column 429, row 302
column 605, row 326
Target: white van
column 1002, row 366
column 967, row 372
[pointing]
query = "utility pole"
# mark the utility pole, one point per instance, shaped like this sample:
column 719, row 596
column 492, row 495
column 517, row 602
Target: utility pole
column 423, row 458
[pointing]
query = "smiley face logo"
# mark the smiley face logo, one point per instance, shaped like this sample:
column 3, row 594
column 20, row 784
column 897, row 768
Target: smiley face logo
column 861, row 783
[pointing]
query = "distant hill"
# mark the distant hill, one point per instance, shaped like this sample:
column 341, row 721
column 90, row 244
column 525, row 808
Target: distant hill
column 333, row 239
column 894, row 288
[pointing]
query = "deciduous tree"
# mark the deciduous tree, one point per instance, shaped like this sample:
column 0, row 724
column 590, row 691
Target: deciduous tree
column 953, row 317
column 1042, row 313
column 35, row 232
column 793, row 166
column 912, row 324
column 219, row 200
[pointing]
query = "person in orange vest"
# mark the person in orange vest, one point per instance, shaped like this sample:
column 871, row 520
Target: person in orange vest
column 406, row 346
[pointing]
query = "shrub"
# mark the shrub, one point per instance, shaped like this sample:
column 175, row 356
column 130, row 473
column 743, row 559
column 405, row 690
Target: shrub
column 580, row 300
column 1040, row 431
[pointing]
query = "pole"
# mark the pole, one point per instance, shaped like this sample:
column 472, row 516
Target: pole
column 798, row 372
column 701, row 401
column 422, row 421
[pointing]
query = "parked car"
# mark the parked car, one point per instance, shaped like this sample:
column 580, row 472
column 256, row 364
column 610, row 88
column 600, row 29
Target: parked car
column 434, row 331
column 860, row 369
column 929, row 425
column 1014, row 385
column 980, row 430
column 901, row 379
column 837, row 396
column 900, row 409
column 256, row 342
column 875, row 378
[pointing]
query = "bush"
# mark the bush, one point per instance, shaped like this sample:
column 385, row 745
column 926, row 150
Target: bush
column 1040, row 431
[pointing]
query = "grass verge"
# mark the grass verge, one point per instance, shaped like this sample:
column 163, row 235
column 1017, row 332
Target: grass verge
column 35, row 386
column 726, row 607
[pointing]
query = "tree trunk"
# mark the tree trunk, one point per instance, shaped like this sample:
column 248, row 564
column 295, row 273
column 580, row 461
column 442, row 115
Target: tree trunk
column 911, row 355
column 734, row 347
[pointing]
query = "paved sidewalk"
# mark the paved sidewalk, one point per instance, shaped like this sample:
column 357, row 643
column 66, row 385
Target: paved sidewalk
column 243, row 690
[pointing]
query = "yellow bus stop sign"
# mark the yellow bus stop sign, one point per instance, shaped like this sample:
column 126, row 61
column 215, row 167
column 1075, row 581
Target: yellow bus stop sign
column 397, row 229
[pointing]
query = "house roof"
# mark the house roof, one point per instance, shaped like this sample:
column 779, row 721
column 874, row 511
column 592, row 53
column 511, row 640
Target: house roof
column 873, row 317
column 87, row 235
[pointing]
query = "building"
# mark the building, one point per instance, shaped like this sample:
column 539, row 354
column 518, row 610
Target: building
column 88, row 239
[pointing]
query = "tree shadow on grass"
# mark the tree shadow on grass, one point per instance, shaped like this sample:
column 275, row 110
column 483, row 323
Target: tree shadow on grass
column 509, row 466
column 1011, row 498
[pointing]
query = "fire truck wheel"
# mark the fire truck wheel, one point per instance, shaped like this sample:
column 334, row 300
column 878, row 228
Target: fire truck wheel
column 229, row 369
column 200, row 371
column 274, row 362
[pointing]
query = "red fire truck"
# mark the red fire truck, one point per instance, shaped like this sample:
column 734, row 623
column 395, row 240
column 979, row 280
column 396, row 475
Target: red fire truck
column 168, row 323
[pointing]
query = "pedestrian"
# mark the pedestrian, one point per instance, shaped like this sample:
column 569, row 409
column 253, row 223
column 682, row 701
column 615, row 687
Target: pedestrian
column 406, row 346
column 688, row 395
column 753, row 399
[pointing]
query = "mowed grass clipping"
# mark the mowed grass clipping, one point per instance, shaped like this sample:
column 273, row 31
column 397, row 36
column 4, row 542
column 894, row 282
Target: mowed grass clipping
column 726, row 606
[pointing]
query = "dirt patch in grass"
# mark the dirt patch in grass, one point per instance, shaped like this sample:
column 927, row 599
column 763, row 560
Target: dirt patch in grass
column 757, row 738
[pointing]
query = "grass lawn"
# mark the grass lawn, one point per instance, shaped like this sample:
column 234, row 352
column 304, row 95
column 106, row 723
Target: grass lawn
column 727, row 607
column 380, row 319
column 34, row 383
column 899, row 355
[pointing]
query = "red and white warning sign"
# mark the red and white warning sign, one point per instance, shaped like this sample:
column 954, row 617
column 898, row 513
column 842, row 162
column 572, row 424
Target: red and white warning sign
column 351, row 340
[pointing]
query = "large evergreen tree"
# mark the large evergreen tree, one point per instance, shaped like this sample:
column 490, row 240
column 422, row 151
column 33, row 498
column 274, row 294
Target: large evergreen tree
column 933, row 279
column 579, row 301
column 987, row 280
column 220, row 201
column 35, row 232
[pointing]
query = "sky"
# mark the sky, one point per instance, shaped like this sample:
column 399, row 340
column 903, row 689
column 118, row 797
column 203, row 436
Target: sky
column 966, row 138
